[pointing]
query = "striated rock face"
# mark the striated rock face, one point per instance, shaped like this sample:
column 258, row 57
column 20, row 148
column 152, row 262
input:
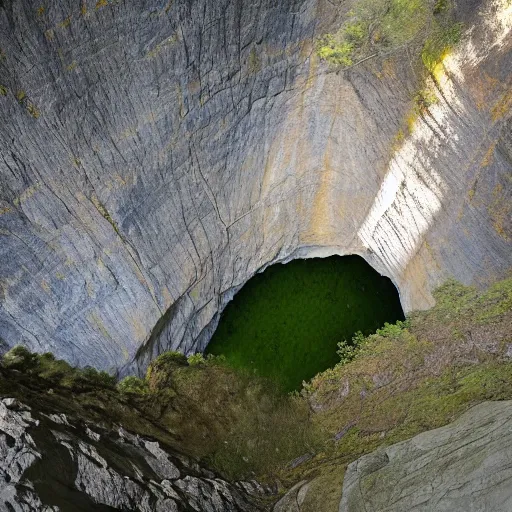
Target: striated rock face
column 51, row 463
column 155, row 155
column 462, row 467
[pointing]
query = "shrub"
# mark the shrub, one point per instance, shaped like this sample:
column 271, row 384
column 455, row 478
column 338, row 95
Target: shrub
column 348, row 351
column 52, row 369
column 442, row 40
column 133, row 385
column 333, row 49
column 19, row 358
column 380, row 27
column 88, row 378
column 170, row 357
column 159, row 373
column 196, row 359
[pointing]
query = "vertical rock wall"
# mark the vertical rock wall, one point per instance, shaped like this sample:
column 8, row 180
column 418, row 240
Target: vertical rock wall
column 155, row 155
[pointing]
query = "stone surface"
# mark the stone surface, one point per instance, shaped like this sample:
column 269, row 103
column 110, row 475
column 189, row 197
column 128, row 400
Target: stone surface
column 462, row 467
column 293, row 499
column 155, row 154
column 52, row 463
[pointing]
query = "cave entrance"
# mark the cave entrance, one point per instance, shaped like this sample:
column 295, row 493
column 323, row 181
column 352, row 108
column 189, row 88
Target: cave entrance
column 285, row 322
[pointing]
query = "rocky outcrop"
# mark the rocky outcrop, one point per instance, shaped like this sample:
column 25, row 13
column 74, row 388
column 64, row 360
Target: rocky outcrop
column 462, row 467
column 48, row 462
column 155, row 155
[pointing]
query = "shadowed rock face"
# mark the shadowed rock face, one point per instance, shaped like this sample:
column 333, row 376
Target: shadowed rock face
column 155, row 155
column 49, row 462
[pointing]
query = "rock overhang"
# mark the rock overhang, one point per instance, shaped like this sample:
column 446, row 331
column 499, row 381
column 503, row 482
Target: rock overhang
column 232, row 147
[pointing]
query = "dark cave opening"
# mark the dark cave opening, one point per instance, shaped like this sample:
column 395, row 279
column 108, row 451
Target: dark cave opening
column 286, row 322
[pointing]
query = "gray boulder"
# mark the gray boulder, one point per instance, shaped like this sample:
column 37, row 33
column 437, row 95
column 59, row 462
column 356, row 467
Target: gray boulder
column 462, row 467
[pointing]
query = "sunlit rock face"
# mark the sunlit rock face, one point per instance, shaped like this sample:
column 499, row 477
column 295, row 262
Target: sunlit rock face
column 155, row 155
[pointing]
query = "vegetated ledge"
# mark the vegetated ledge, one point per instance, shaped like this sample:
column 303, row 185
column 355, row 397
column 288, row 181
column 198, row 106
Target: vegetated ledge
column 405, row 379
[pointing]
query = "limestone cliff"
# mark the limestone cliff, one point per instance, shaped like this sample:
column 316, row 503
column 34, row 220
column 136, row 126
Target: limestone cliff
column 155, row 155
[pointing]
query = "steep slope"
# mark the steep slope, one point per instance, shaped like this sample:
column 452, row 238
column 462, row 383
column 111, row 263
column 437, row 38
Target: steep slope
column 51, row 462
column 75, row 439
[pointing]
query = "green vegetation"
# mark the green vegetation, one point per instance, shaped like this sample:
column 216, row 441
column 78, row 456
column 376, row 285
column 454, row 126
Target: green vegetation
column 236, row 423
column 56, row 372
column 408, row 378
column 382, row 27
column 3, row 90
column 286, row 322
column 439, row 44
column 403, row 379
column 133, row 385
column 348, row 350
column 23, row 100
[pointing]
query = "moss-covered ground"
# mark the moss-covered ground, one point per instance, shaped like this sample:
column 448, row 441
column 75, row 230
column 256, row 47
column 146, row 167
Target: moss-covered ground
column 285, row 323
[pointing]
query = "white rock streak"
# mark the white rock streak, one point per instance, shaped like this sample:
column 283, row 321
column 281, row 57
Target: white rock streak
column 412, row 192
column 409, row 197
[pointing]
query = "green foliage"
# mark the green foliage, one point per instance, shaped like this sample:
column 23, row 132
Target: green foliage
column 495, row 302
column 196, row 359
column 379, row 27
column 375, row 26
column 133, row 385
column 53, row 370
column 100, row 378
column 19, row 358
column 56, row 372
column 393, row 330
column 170, row 357
column 441, row 6
column 348, row 351
column 335, row 50
column 161, row 367
column 423, row 100
column 442, row 40
column 3, row 90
